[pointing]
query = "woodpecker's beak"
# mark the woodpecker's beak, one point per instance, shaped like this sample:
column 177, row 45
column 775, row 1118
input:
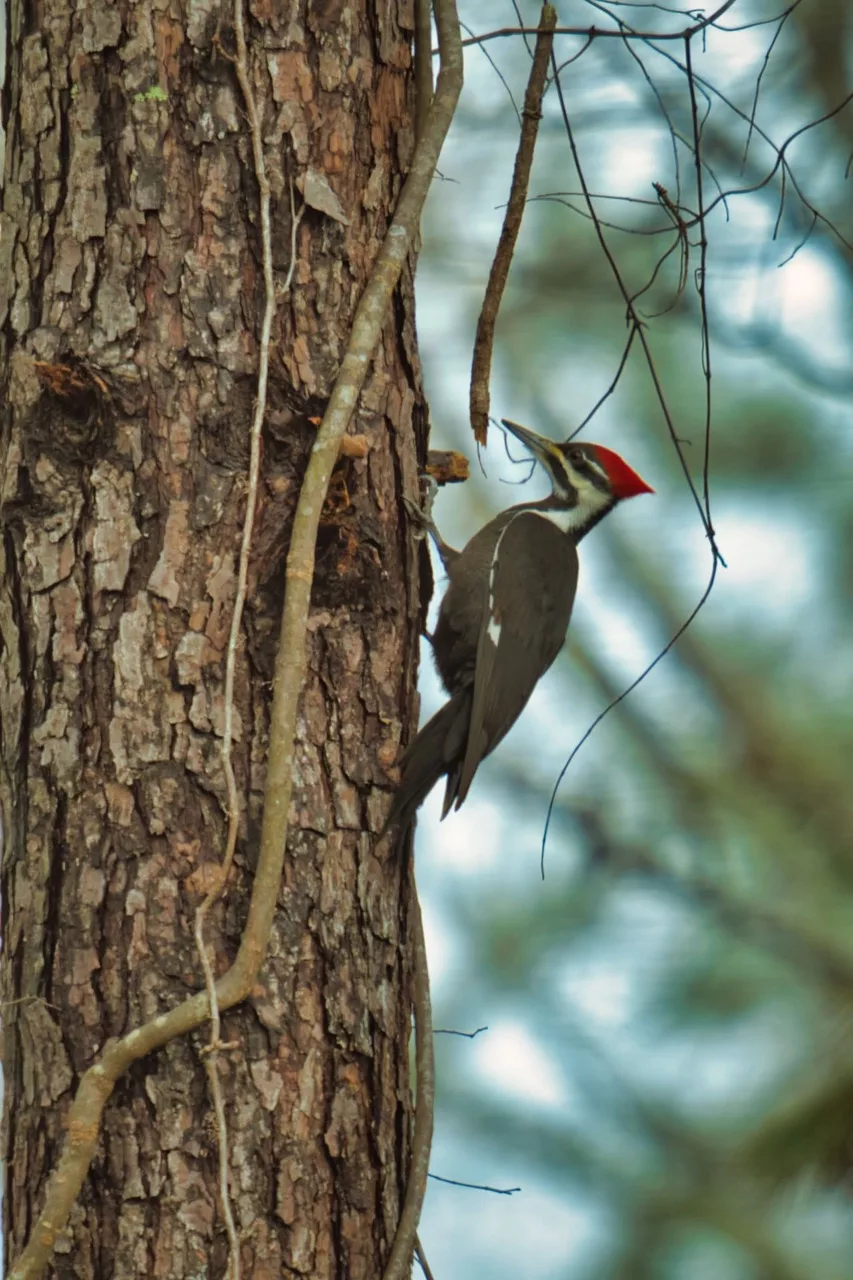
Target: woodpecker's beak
column 543, row 449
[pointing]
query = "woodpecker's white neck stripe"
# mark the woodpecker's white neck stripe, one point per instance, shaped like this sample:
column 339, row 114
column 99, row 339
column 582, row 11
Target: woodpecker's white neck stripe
column 591, row 501
column 570, row 519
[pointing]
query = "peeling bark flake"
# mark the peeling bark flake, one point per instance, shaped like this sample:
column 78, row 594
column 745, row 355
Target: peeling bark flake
column 139, row 732
column 164, row 579
column 116, row 532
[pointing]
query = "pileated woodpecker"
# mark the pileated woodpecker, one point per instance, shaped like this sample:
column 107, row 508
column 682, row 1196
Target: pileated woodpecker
column 504, row 616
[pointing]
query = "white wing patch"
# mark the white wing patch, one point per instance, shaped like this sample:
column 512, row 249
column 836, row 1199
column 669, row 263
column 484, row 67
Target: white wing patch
column 493, row 628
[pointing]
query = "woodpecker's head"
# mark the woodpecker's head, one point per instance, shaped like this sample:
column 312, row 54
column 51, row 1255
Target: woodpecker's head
column 587, row 480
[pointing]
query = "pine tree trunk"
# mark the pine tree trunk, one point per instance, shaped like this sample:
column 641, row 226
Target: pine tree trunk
column 130, row 296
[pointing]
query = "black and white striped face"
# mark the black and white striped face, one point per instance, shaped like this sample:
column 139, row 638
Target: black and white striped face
column 582, row 490
column 586, row 479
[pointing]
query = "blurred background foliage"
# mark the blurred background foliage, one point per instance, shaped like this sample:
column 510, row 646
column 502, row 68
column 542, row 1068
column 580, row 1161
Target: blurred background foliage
column 668, row 1069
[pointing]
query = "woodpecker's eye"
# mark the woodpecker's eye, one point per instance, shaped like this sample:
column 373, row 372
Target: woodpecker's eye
column 577, row 458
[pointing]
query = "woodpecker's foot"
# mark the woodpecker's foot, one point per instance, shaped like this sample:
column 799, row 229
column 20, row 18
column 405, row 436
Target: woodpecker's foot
column 421, row 518
column 429, row 484
column 421, row 522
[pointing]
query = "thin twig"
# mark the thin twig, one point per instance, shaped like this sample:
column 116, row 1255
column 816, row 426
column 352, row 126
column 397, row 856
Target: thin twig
column 421, row 1257
column 783, row 18
column 405, row 1239
column 763, row 22
column 467, row 1035
column 701, row 278
column 575, row 56
column 97, row 1084
column 521, row 24
column 481, row 366
column 223, row 1149
column 241, row 68
column 717, row 560
column 633, row 318
column 702, row 505
column 597, row 32
column 500, row 75
column 632, row 333
column 706, row 87
column 671, row 130
column 476, row 1186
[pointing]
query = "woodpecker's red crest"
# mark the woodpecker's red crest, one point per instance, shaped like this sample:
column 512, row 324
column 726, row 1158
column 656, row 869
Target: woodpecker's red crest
column 624, row 481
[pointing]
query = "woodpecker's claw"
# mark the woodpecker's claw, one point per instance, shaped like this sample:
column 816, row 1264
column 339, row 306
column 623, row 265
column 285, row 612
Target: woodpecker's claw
column 418, row 518
column 430, row 487
column 422, row 515
column 423, row 523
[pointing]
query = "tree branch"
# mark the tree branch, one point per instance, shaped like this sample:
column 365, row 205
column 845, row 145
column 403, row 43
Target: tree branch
column 423, row 65
column 593, row 33
column 98, row 1082
column 421, row 1257
column 481, row 366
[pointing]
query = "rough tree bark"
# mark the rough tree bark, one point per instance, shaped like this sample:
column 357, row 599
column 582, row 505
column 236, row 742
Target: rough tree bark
column 130, row 289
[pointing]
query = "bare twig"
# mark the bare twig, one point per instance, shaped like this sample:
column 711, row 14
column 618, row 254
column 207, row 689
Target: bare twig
column 500, row 75
column 220, row 1119
column 476, row 1186
column 481, row 366
column 701, row 277
column 634, row 319
column 241, row 68
column 405, row 1240
column 782, row 19
column 688, row 622
column 520, row 21
column 596, row 33
column 632, row 333
column 467, row 1035
column 97, row 1084
column 702, row 503
column 421, row 1257
column 781, row 162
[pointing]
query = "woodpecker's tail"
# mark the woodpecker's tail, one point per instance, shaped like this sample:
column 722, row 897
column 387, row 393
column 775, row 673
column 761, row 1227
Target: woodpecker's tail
column 438, row 749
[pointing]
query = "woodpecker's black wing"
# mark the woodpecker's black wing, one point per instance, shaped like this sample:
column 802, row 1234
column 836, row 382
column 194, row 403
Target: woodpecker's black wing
column 531, row 592
column 438, row 749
